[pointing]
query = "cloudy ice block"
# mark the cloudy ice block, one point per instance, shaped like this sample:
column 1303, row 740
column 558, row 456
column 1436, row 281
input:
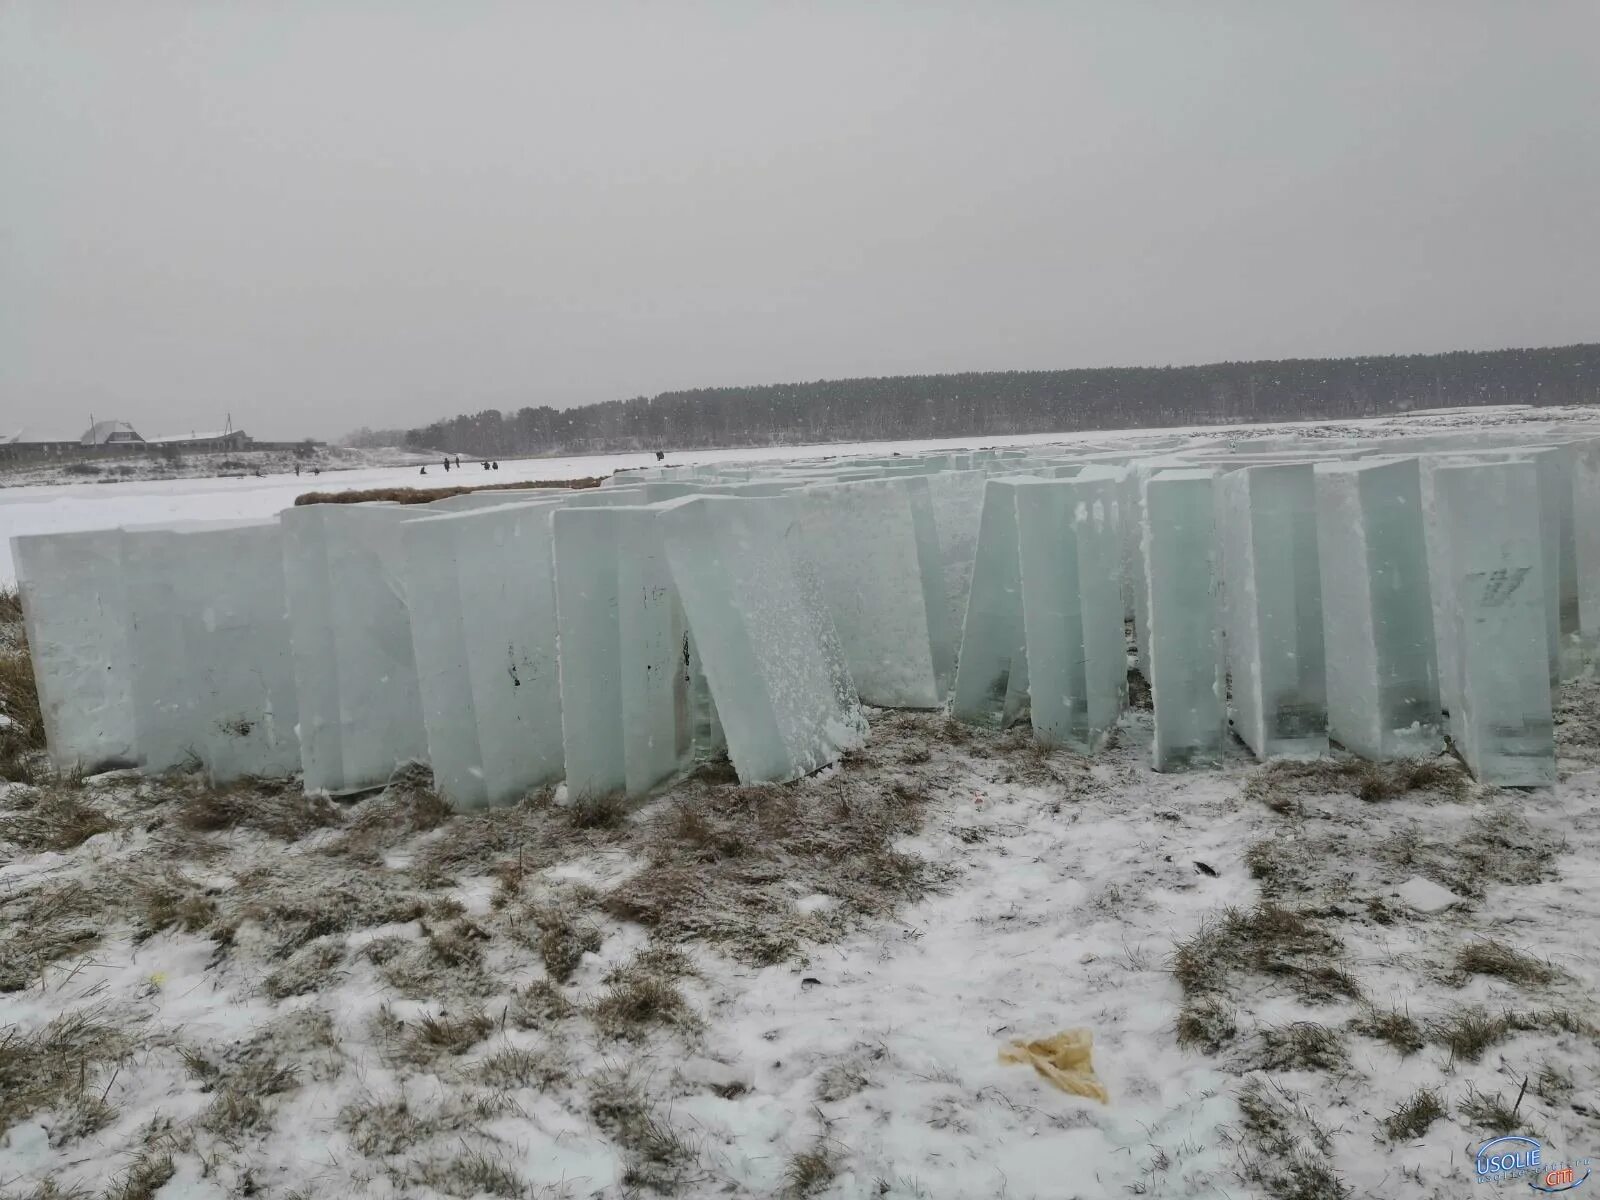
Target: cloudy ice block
column 1586, row 542
column 1383, row 685
column 1069, row 555
column 236, row 651
column 497, row 497
column 992, row 674
column 772, row 658
column 354, row 665
column 1272, row 608
column 1487, row 517
column 74, row 612
column 164, row 717
column 1185, row 650
column 628, row 664
column 480, row 588
column 876, row 557
column 957, row 502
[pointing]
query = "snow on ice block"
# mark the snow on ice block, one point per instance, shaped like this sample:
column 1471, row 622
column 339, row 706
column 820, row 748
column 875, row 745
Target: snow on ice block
column 74, row 612
column 1185, row 651
column 480, row 587
column 235, row 644
column 1383, row 684
column 354, row 665
column 772, row 658
column 630, row 705
column 992, row 674
column 1487, row 519
column 1069, row 554
column 876, row 555
column 1272, row 608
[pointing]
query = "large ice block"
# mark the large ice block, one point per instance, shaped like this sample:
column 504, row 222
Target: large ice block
column 1272, row 609
column 876, row 555
column 354, row 665
column 1183, row 634
column 1487, row 518
column 630, row 705
column 235, row 646
column 1383, row 684
column 992, row 674
column 772, row 658
column 1069, row 556
column 74, row 612
column 957, row 499
column 480, row 589
column 1586, row 543
column 165, row 723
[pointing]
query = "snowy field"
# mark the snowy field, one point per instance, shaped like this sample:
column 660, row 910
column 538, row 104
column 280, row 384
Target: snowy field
column 67, row 507
column 1306, row 981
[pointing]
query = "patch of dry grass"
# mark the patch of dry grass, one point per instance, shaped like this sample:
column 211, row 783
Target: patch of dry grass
column 23, row 738
column 1492, row 1114
column 1489, row 957
column 1397, row 1028
column 659, row 1156
column 641, row 995
column 274, row 807
column 1286, row 1152
column 144, row 1177
column 406, row 495
column 1207, row 1022
column 810, row 1171
column 1268, row 941
column 1414, row 1116
column 538, row 1006
column 513, row 1068
column 1302, row 1046
column 724, row 865
column 44, row 924
column 310, row 969
column 60, row 1061
column 1282, row 785
column 426, row 1039
column 53, row 819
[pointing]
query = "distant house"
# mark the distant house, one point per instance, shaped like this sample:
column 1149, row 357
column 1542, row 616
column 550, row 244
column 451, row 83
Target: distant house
column 224, row 439
column 111, row 433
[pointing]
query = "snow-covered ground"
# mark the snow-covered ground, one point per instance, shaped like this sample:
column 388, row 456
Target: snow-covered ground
column 64, row 507
column 258, row 995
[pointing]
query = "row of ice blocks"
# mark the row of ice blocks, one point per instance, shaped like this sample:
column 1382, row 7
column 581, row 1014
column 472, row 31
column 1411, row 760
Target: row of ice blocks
column 1330, row 590
column 1301, row 591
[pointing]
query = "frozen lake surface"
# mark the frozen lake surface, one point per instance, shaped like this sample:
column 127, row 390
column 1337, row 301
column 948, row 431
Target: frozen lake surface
column 63, row 508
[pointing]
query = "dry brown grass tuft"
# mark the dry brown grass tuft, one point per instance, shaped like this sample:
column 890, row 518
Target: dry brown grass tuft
column 310, row 969
column 1282, row 785
column 274, row 807
column 299, row 899
column 1207, row 1023
column 44, row 924
column 515, row 1068
column 168, row 900
column 53, row 818
column 1397, row 1028
column 1267, row 941
column 50, row 1067
column 1489, row 957
column 1468, row 1032
column 538, row 1006
column 405, row 495
column 23, row 737
column 1415, row 1116
column 725, row 865
column 659, row 1157
column 1302, row 1046
column 10, row 605
column 809, row 1171
column 144, row 1177
column 1491, row 1113
column 641, row 995
column 429, row 1038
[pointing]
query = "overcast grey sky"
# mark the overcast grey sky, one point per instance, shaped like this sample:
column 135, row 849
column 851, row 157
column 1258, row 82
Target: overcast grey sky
column 326, row 214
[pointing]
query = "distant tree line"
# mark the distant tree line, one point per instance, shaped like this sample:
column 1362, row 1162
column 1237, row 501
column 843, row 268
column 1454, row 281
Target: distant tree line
column 994, row 403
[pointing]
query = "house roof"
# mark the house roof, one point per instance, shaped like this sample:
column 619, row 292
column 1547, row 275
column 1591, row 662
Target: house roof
column 102, row 432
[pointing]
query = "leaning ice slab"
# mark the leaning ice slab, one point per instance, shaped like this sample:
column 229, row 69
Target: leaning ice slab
column 1272, row 608
column 354, row 664
column 992, row 673
column 480, row 589
column 876, row 556
column 1184, row 644
column 1069, row 554
column 74, row 612
column 772, row 658
column 1383, row 685
column 1486, row 517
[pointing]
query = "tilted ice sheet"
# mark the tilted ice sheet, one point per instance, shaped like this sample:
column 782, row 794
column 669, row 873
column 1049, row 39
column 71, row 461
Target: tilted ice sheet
column 863, row 538
column 772, row 658
column 992, row 673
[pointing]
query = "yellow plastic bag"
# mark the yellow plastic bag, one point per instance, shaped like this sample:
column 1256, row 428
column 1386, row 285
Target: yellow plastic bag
column 1065, row 1060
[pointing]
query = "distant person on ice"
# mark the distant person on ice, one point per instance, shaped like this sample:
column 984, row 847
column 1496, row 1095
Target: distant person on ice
column 458, row 462
column 447, row 464
column 496, row 466
column 660, row 454
column 424, row 470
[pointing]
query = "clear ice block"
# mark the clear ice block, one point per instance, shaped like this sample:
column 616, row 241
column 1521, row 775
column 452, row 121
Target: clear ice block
column 992, row 674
